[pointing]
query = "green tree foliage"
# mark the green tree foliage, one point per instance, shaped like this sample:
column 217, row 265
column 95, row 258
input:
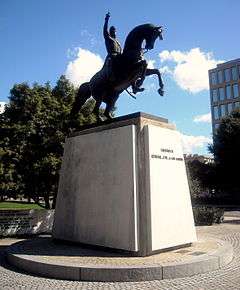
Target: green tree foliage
column 226, row 148
column 33, row 128
column 202, row 178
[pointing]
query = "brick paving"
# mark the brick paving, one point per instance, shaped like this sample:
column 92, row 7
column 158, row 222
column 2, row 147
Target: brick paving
column 227, row 278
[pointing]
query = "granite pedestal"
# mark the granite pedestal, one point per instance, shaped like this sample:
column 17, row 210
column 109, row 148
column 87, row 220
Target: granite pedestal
column 123, row 185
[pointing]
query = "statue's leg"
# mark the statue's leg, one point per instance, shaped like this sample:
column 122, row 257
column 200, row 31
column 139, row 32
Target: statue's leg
column 83, row 94
column 136, row 87
column 110, row 105
column 96, row 109
column 155, row 71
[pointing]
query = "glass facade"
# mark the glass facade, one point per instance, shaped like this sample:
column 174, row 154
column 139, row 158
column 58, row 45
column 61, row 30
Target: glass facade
column 215, row 113
column 235, row 91
column 228, row 92
column 220, row 77
column 221, row 94
column 214, row 96
column 224, row 81
column 227, row 75
column 213, row 78
column 222, row 110
column 234, row 73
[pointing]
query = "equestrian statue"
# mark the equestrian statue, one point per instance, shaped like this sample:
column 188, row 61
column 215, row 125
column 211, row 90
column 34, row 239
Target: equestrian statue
column 122, row 68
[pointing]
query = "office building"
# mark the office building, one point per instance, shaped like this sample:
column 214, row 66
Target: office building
column 224, row 81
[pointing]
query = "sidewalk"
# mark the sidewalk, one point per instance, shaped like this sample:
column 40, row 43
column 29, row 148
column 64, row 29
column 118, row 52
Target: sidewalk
column 226, row 278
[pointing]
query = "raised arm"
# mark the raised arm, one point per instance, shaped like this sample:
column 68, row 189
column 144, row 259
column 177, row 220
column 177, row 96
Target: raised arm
column 105, row 27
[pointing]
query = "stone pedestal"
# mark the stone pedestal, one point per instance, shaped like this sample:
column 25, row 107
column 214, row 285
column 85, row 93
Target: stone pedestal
column 123, row 185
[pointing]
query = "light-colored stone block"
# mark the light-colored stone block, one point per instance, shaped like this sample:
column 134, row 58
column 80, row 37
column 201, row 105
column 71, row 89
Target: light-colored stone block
column 97, row 191
column 171, row 211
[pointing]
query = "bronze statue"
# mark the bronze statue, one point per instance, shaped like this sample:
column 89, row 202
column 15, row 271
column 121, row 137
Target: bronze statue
column 121, row 69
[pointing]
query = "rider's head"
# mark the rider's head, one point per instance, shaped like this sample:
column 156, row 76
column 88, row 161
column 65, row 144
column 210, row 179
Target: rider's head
column 112, row 32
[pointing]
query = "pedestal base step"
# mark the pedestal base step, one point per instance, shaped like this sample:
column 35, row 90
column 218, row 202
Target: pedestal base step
column 43, row 257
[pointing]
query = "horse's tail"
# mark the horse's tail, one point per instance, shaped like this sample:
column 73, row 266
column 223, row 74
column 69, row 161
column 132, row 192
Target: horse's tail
column 83, row 93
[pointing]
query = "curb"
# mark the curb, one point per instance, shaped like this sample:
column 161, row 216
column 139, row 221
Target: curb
column 166, row 270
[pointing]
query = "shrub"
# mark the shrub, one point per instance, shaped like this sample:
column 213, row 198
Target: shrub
column 206, row 216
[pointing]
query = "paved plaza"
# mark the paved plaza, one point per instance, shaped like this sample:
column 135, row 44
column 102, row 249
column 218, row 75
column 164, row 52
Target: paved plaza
column 226, row 278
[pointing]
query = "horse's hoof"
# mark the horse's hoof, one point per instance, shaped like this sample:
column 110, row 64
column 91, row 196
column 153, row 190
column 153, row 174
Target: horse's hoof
column 137, row 90
column 100, row 119
column 161, row 92
column 108, row 116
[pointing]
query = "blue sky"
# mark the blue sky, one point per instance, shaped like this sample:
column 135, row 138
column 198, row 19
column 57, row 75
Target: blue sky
column 40, row 40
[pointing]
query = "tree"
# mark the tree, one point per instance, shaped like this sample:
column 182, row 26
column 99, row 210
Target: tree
column 33, row 129
column 226, row 146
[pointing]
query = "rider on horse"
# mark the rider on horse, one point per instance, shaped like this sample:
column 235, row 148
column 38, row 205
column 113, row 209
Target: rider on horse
column 114, row 50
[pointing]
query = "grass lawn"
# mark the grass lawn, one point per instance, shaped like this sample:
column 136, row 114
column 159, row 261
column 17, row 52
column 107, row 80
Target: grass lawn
column 18, row 205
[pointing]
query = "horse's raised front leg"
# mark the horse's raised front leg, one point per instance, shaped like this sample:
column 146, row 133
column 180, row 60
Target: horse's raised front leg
column 154, row 71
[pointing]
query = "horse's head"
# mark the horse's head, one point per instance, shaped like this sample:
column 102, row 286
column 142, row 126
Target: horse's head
column 152, row 33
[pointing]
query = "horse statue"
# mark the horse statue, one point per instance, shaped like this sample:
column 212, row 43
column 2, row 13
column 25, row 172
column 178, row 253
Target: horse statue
column 126, row 69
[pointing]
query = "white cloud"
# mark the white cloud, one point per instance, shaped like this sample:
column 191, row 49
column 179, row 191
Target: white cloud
column 190, row 69
column 165, row 69
column 2, row 107
column 206, row 118
column 191, row 143
column 83, row 67
column 151, row 63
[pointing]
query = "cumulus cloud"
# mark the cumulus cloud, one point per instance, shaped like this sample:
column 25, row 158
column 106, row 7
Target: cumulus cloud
column 205, row 118
column 191, row 143
column 151, row 63
column 190, row 68
column 83, row 67
column 2, row 107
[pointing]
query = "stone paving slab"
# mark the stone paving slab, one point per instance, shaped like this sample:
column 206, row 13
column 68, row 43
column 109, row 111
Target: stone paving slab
column 43, row 257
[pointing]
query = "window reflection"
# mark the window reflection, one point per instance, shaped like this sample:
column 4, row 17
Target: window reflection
column 213, row 78
column 214, row 95
column 222, row 110
column 221, row 94
column 215, row 113
column 227, row 75
column 236, row 105
column 235, row 91
column 234, row 73
column 230, row 108
column 220, row 77
column 228, row 92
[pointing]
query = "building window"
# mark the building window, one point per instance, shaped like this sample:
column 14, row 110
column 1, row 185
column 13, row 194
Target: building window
column 215, row 113
column 214, row 96
column 213, row 76
column 230, row 108
column 227, row 75
column 221, row 94
column 216, row 126
column 236, row 105
column 222, row 110
column 228, row 92
column 235, row 91
column 220, row 77
column 234, row 73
